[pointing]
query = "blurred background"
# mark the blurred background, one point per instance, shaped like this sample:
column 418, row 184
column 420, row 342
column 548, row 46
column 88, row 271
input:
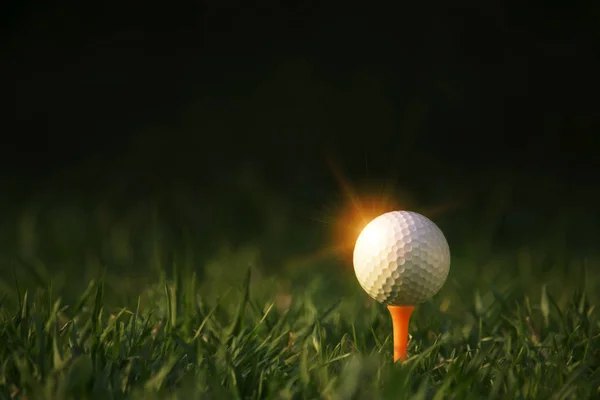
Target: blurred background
column 209, row 136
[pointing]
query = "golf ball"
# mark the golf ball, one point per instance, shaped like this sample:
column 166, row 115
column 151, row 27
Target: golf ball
column 401, row 258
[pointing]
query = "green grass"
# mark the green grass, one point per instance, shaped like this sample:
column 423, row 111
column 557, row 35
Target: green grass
column 249, row 342
column 96, row 303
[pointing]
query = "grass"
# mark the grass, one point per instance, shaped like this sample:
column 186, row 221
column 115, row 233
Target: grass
column 101, row 305
column 248, row 344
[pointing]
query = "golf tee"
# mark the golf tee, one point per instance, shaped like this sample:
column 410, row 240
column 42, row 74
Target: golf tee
column 400, row 320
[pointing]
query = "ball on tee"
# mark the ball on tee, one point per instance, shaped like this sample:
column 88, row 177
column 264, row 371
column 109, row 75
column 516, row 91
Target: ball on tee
column 401, row 258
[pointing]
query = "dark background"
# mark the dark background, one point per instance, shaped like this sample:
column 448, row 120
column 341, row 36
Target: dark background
column 242, row 109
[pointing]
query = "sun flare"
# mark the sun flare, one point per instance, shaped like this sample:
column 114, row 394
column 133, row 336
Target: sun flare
column 361, row 202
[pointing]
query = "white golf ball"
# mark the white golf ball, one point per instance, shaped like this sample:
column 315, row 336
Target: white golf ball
column 401, row 258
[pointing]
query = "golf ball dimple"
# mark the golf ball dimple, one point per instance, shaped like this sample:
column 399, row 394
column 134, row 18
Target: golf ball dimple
column 401, row 258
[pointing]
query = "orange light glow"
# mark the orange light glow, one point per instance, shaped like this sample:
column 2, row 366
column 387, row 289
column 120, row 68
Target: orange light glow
column 350, row 221
column 362, row 202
